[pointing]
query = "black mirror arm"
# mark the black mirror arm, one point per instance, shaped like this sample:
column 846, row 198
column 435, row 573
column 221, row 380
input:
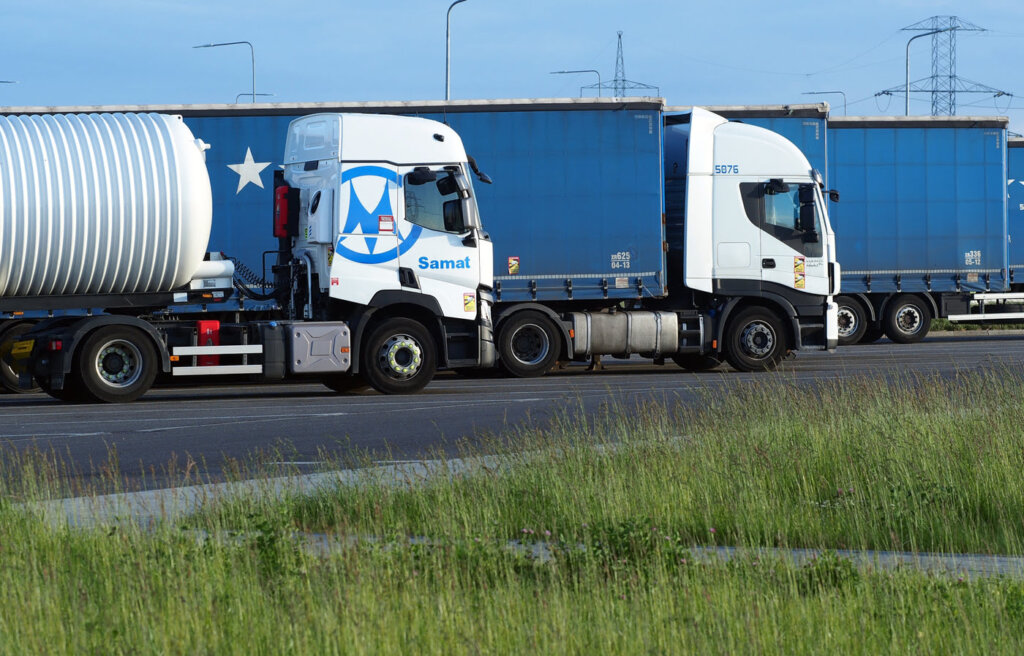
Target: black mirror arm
column 482, row 177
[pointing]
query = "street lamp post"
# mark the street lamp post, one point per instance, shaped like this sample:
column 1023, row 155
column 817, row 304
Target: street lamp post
column 907, row 87
column 252, row 53
column 822, row 93
column 447, row 50
column 583, row 70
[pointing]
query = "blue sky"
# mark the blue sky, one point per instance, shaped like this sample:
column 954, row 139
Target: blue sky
column 65, row 52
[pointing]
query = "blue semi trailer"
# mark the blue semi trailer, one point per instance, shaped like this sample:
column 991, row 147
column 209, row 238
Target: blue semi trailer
column 924, row 228
column 922, row 223
column 1015, row 210
column 612, row 233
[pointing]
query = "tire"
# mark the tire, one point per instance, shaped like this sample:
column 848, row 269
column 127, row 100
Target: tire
column 345, row 383
column 8, row 377
column 529, row 344
column 755, row 340
column 853, row 320
column 696, row 362
column 115, row 364
column 399, row 357
column 907, row 319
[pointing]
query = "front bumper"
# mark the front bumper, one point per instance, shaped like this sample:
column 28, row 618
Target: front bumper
column 488, row 352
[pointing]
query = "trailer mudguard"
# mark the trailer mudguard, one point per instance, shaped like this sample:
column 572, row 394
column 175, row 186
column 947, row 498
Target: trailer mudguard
column 73, row 333
column 866, row 302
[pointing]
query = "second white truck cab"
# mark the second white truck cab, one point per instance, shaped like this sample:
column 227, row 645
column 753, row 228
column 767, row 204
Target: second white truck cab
column 756, row 235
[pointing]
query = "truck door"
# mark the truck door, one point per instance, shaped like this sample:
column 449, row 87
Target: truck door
column 367, row 255
column 792, row 241
column 445, row 260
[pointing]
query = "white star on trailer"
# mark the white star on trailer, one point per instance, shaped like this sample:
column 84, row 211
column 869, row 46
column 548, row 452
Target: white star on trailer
column 248, row 171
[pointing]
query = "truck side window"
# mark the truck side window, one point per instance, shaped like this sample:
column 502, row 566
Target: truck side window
column 782, row 209
column 778, row 214
column 426, row 205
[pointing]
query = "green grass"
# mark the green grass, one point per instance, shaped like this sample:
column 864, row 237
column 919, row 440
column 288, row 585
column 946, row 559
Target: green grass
column 926, row 464
column 618, row 499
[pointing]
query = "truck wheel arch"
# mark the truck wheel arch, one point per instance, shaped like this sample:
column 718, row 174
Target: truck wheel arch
column 504, row 313
column 771, row 302
column 392, row 303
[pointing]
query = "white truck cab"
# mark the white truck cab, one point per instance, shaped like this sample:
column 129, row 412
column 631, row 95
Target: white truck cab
column 387, row 224
column 386, row 204
column 756, row 226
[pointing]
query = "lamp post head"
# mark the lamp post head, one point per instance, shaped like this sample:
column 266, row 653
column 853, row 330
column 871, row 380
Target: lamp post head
column 447, row 50
column 252, row 53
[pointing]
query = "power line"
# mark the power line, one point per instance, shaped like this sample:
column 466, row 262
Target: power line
column 944, row 84
column 831, row 69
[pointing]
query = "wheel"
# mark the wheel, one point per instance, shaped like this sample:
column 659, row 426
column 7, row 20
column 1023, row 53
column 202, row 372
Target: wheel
column 116, row 364
column 399, row 357
column 528, row 344
column 696, row 362
column 345, row 383
column 907, row 319
column 853, row 320
column 755, row 340
column 872, row 333
column 9, row 377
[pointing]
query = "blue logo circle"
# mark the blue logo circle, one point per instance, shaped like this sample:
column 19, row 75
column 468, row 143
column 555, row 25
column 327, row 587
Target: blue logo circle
column 368, row 221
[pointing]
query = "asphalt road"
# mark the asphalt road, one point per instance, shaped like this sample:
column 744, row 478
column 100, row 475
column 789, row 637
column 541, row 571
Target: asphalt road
column 298, row 424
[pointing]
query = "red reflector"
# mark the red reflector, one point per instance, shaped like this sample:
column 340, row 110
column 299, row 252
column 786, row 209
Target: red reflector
column 56, row 345
column 281, row 211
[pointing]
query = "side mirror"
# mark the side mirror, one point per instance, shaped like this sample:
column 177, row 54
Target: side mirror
column 806, row 194
column 453, row 219
column 448, row 185
column 833, row 195
column 806, row 224
column 420, row 175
